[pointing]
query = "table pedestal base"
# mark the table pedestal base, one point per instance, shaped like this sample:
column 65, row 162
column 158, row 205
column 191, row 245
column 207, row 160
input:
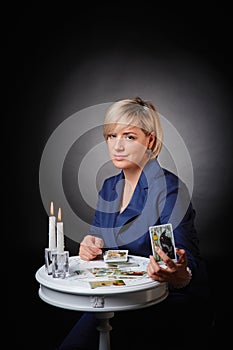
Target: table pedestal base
column 104, row 328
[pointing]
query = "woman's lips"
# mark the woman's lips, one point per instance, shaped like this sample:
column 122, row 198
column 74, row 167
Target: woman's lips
column 119, row 157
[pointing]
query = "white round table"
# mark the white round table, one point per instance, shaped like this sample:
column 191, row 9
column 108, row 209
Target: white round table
column 76, row 293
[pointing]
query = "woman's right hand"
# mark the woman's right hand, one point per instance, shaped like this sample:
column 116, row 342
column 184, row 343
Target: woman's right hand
column 90, row 247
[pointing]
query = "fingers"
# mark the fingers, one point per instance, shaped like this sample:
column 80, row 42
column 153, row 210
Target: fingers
column 153, row 266
column 90, row 247
column 182, row 256
column 99, row 242
column 172, row 271
column 160, row 273
column 169, row 262
column 86, row 254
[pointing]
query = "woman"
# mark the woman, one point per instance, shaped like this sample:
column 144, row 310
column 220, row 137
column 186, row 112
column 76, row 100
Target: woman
column 144, row 194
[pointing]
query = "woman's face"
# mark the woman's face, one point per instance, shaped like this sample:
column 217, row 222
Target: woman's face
column 127, row 146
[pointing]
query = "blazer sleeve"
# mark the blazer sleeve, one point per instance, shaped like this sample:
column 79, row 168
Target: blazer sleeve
column 178, row 210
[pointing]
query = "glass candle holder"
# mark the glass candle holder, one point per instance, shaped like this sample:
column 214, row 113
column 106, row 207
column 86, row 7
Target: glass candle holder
column 60, row 264
column 48, row 260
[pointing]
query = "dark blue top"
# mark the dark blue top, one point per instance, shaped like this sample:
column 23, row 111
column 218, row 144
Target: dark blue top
column 160, row 197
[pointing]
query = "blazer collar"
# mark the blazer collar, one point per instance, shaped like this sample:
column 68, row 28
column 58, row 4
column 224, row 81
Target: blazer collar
column 151, row 170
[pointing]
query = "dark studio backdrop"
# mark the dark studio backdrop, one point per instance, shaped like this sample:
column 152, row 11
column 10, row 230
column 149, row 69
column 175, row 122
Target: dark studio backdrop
column 63, row 61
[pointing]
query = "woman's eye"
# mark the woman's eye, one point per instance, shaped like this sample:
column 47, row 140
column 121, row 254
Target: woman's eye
column 111, row 136
column 130, row 137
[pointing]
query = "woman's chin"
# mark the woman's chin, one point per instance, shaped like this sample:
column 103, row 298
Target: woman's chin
column 118, row 164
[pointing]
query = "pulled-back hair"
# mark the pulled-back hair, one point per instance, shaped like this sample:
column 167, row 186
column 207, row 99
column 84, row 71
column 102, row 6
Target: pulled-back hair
column 136, row 112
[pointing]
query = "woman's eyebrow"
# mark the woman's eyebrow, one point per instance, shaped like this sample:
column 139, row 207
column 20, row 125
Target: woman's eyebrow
column 126, row 132
column 129, row 132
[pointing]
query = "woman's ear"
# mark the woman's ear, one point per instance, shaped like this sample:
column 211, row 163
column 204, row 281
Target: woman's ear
column 151, row 140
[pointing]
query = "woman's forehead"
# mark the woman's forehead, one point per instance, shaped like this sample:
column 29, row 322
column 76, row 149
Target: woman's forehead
column 124, row 128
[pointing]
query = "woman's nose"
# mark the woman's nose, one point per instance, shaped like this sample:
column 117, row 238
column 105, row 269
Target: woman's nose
column 119, row 144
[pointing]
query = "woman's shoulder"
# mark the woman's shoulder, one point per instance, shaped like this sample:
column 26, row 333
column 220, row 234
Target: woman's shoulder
column 174, row 181
column 157, row 171
column 169, row 175
column 174, row 184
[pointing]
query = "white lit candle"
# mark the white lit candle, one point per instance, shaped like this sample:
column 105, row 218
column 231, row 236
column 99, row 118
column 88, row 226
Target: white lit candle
column 60, row 233
column 52, row 228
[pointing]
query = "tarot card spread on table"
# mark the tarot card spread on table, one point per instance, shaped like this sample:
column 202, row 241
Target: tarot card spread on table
column 116, row 255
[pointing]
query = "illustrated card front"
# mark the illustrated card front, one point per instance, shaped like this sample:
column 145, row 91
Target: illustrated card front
column 116, row 256
column 162, row 236
column 106, row 283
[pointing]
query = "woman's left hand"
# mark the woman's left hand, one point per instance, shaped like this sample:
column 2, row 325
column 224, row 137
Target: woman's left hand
column 175, row 273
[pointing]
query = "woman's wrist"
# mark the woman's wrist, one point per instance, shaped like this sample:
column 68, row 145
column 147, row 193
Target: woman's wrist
column 184, row 284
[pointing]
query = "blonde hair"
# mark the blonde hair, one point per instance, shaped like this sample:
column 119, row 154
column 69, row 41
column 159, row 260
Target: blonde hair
column 137, row 112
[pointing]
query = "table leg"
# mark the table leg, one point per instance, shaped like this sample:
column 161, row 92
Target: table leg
column 104, row 328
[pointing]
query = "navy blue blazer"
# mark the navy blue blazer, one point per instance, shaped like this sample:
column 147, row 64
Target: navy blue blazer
column 160, row 197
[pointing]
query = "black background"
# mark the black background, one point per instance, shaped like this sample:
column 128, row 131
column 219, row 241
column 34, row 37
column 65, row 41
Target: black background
column 44, row 45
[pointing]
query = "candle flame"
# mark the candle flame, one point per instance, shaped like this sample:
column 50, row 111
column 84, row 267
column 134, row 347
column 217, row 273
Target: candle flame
column 51, row 209
column 59, row 214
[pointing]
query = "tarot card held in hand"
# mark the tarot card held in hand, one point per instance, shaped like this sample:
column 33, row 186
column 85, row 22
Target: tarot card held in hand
column 116, row 255
column 162, row 236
